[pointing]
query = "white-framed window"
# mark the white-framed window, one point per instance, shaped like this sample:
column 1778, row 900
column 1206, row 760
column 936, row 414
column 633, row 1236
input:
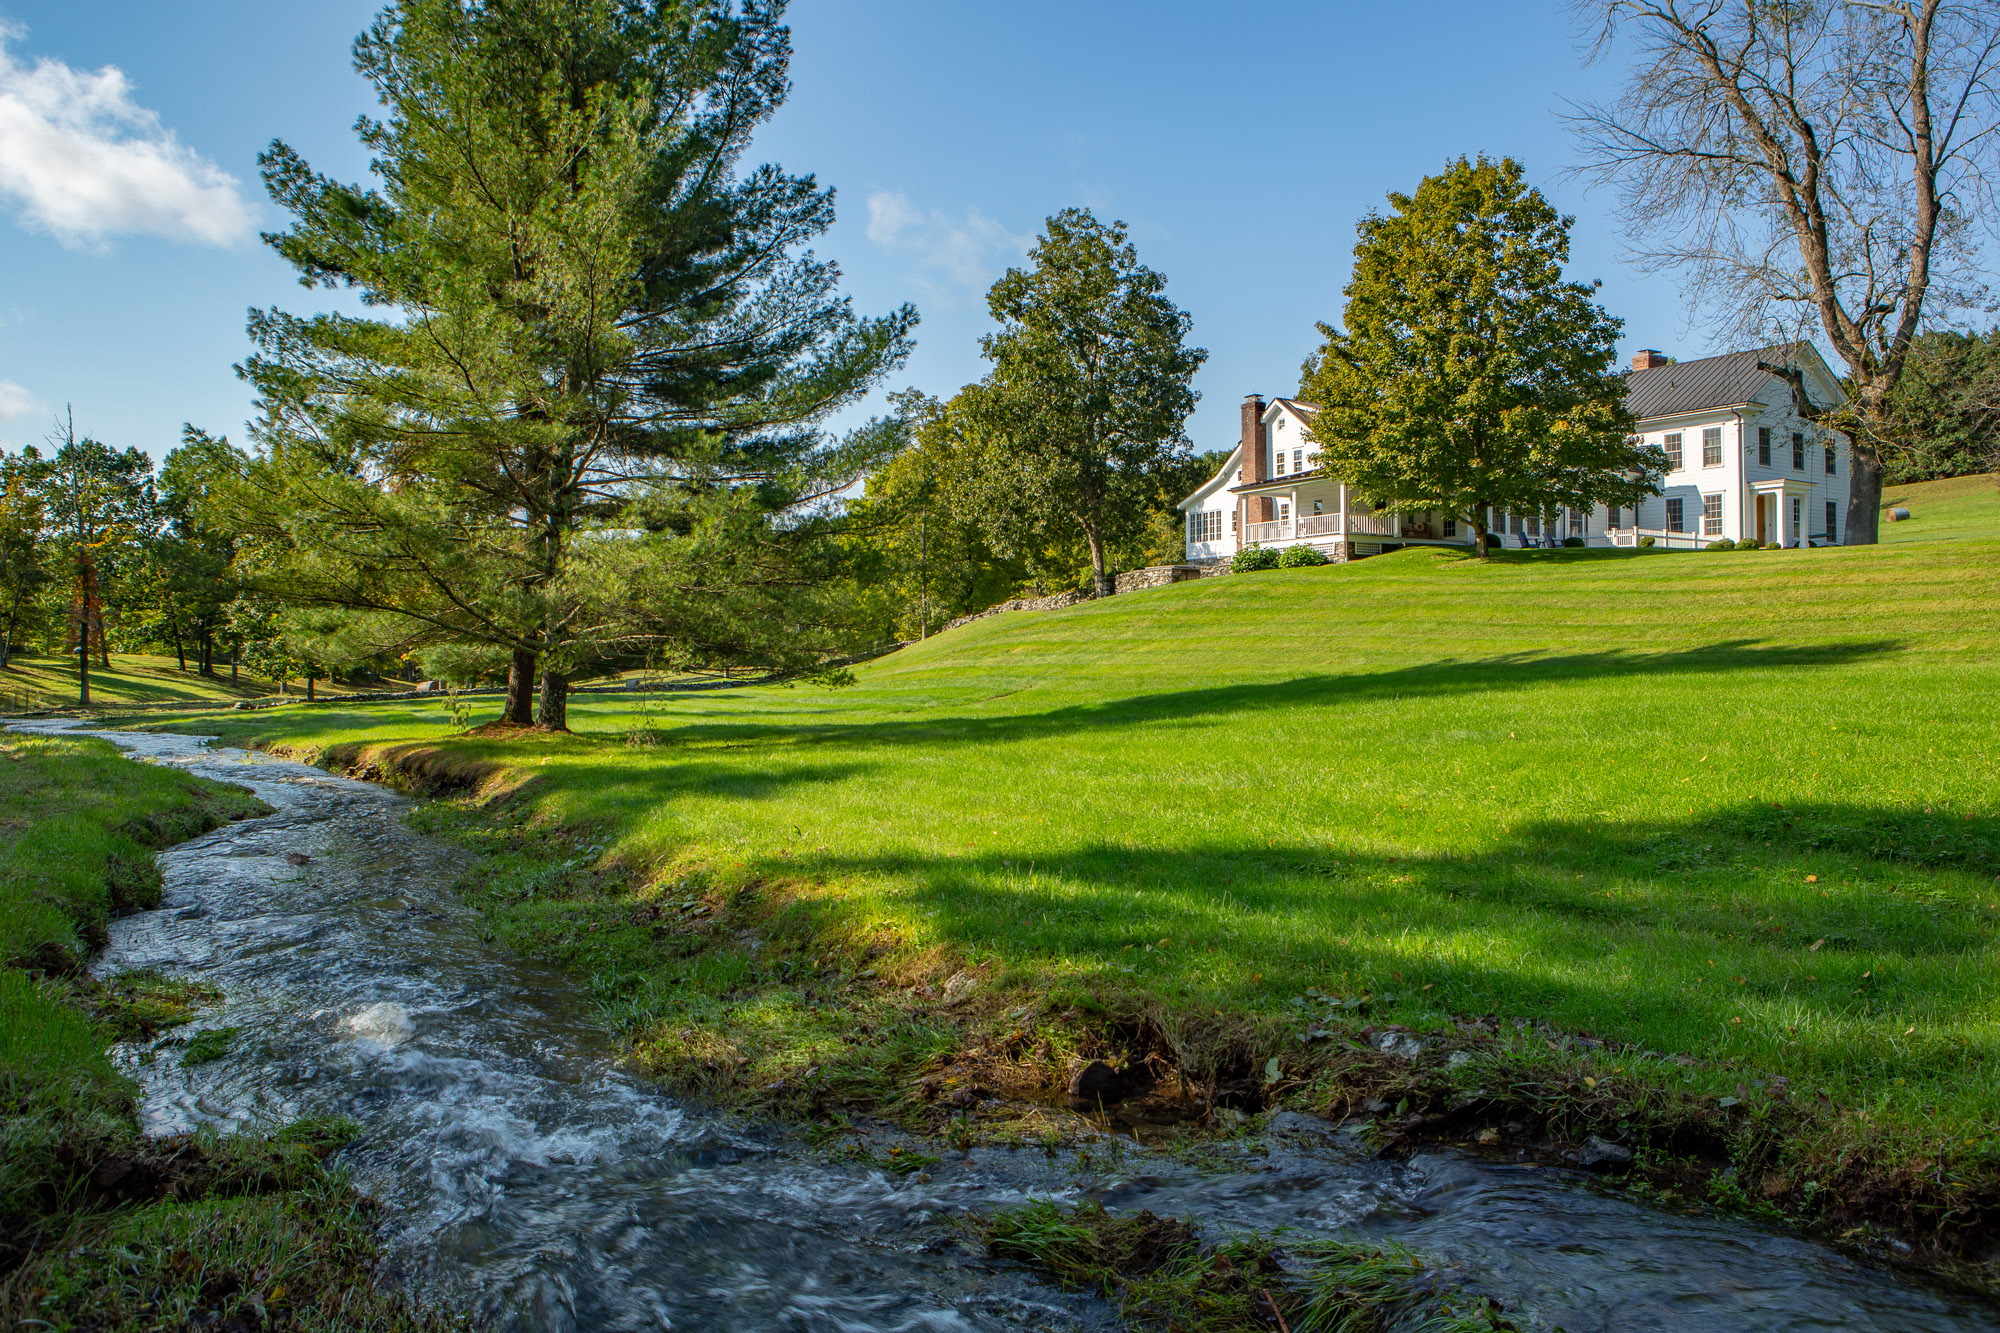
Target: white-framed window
column 1611, row 523
column 1798, row 452
column 1676, row 514
column 1284, row 511
column 1205, row 525
column 1232, row 522
column 1579, row 522
column 1278, row 463
column 1711, row 446
column 1832, row 515
column 1764, row 446
column 1673, row 444
column 1832, row 462
column 1319, row 507
column 1298, row 460
column 1450, row 527
column 1711, row 515
column 1798, row 506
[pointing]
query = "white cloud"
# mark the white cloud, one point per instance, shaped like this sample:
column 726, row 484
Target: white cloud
column 17, row 402
column 80, row 160
column 967, row 254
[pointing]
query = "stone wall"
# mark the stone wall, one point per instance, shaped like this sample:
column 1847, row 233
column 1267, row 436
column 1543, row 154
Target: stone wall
column 1154, row 576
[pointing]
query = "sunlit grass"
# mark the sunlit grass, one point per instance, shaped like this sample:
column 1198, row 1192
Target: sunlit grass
column 1739, row 806
column 1939, row 510
column 134, row 679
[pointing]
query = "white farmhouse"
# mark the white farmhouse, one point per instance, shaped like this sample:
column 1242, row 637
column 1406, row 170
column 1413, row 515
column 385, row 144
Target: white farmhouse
column 1743, row 464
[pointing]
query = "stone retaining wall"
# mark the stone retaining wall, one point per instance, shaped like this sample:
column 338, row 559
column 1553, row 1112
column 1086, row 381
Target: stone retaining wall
column 1153, row 576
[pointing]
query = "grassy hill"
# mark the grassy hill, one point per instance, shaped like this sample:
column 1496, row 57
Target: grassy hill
column 135, row 679
column 1734, row 814
column 1952, row 508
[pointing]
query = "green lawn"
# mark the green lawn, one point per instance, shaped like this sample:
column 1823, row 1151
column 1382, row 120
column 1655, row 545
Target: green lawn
column 135, row 679
column 1739, row 807
column 1952, row 508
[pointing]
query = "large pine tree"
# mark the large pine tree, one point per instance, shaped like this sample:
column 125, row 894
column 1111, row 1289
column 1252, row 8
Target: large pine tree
column 1469, row 375
column 588, row 319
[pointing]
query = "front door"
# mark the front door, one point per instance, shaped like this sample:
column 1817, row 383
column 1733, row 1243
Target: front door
column 1761, row 538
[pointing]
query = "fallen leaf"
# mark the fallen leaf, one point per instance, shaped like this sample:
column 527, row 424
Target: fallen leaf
column 1814, row 946
column 1726, row 1102
column 1869, row 973
column 1909, row 1032
column 1429, row 984
column 1589, row 1082
column 1812, row 879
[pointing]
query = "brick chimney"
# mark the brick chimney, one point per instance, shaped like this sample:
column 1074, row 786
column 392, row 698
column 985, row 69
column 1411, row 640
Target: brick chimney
column 1256, row 458
column 1646, row 358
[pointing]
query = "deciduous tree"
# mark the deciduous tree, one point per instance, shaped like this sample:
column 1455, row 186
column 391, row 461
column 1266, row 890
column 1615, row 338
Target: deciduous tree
column 1467, row 373
column 1813, row 167
column 97, row 506
column 1087, row 402
column 1943, row 418
column 24, row 572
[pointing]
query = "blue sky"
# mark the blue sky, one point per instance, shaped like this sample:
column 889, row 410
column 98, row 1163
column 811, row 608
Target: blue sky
column 1241, row 144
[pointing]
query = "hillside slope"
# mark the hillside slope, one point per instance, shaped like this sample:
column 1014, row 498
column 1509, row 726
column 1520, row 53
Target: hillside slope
column 1956, row 507
column 1735, row 814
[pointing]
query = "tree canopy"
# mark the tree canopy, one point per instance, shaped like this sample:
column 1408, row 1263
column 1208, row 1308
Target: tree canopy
column 1812, row 168
column 1085, row 409
column 1468, row 373
column 585, row 420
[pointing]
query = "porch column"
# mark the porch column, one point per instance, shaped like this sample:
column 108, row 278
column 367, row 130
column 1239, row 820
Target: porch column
column 1343, row 510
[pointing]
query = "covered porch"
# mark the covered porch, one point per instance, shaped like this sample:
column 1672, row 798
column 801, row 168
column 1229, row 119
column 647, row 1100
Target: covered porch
column 1779, row 511
column 1341, row 516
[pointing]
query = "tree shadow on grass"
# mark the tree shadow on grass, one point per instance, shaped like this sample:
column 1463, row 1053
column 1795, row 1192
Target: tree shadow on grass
column 1637, row 931
column 1440, row 679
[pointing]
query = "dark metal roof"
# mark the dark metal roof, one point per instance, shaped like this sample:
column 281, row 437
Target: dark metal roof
column 1713, row 381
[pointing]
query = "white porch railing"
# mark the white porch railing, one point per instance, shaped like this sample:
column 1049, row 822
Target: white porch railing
column 1269, row 532
column 1374, row 525
column 1319, row 525
column 1672, row 541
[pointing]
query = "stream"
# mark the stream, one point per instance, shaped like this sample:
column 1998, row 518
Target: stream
column 526, row 1175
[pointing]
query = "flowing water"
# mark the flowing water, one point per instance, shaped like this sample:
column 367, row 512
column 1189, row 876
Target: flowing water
column 526, row 1175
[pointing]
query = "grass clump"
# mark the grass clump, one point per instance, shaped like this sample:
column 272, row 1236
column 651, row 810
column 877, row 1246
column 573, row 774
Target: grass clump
column 1164, row 1278
column 1704, row 852
column 207, row 1046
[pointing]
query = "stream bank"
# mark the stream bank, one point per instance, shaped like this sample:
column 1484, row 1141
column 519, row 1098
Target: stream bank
column 523, row 1171
column 102, row 1227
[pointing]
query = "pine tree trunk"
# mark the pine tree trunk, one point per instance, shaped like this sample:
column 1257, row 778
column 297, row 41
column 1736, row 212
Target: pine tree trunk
column 232, row 668
column 1864, row 497
column 180, row 652
column 552, row 714
column 309, row 687
column 520, row 709
column 207, row 651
